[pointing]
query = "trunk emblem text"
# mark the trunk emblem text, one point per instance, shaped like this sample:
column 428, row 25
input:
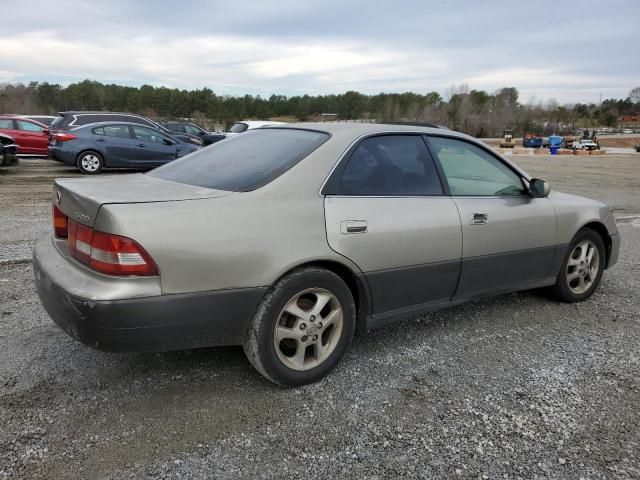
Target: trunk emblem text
column 81, row 216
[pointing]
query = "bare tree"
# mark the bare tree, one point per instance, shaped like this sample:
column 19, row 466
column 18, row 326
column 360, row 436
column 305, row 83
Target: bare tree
column 634, row 95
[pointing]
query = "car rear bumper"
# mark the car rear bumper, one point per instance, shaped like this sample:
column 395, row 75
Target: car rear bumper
column 59, row 155
column 74, row 300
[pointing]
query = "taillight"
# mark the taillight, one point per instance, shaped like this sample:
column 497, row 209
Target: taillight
column 60, row 224
column 108, row 253
column 63, row 136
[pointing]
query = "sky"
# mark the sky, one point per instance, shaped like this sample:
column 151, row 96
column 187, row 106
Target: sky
column 569, row 51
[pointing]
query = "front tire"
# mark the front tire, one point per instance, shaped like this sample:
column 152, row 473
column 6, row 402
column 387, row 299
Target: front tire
column 582, row 268
column 90, row 163
column 302, row 328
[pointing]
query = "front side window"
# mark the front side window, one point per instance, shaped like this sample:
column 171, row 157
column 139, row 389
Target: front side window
column 28, row 126
column 147, row 135
column 239, row 127
column 390, row 165
column 244, row 162
column 471, row 171
column 192, row 130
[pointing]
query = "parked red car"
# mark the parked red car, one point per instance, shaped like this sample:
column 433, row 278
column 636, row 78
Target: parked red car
column 31, row 137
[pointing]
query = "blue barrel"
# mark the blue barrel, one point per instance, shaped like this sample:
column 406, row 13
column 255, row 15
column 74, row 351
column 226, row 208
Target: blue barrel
column 553, row 150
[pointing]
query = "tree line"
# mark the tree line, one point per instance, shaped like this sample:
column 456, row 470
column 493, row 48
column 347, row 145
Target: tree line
column 476, row 112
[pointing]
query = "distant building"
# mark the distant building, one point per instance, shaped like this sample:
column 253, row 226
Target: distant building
column 630, row 120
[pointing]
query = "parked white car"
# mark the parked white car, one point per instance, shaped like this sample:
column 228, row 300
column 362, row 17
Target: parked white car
column 627, row 131
column 244, row 125
column 585, row 145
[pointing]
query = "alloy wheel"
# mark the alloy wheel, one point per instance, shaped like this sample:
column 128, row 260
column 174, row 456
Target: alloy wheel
column 90, row 163
column 583, row 267
column 308, row 329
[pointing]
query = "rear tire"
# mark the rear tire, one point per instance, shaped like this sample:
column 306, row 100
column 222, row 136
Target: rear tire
column 302, row 328
column 581, row 269
column 90, row 162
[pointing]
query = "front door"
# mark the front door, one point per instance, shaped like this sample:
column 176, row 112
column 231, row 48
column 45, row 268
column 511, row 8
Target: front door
column 32, row 138
column 385, row 210
column 508, row 236
column 153, row 148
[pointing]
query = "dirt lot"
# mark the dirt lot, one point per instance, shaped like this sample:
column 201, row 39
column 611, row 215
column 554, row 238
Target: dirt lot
column 511, row 387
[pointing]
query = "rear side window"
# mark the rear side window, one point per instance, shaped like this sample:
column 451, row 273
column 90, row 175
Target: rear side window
column 244, row 162
column 133, row 119
column 390, row 165
column 175, row 127
column 6, row 123
column 87, row 119
column 119, row 131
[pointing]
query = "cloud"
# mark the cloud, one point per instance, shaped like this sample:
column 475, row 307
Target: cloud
column 545, row 49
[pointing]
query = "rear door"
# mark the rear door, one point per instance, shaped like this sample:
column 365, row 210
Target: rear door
column 153, row 148
column 385, row 210
column 33, row 137
column 508, row 236
column 117, row 145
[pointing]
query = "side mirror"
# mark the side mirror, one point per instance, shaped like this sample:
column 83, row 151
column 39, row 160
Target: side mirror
column 168, row 142
column 539, row 188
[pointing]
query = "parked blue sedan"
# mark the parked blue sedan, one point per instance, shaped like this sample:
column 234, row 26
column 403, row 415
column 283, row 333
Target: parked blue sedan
column 97, row 146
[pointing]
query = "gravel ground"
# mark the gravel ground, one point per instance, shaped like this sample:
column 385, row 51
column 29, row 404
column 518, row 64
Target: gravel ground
column 511, row 387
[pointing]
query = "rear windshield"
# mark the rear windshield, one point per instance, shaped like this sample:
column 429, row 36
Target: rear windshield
column 239, row 127
column 59, row 122
column 244, row 162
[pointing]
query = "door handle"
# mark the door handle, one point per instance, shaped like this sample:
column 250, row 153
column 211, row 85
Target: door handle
column 100, row 140
column 353, row 226
column 478, row 219
column 142, row 145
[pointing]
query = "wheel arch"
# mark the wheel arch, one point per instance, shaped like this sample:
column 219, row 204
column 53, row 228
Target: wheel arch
column 356, row 283
column 602, row 231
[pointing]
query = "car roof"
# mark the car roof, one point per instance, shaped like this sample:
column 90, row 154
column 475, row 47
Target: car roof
column 359, row 129
column 115, row 122
column 260, row 123
column 96, row 112
column 23, row 117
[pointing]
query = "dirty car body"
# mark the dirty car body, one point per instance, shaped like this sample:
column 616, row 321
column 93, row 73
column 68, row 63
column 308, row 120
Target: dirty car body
column 8, row 150
column 398, row 213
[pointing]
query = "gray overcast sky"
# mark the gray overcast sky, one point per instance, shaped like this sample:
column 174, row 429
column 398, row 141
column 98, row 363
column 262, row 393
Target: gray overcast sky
column 571, row 51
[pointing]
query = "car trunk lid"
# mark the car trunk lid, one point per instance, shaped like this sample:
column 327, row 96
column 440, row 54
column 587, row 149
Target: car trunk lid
column 81, row 199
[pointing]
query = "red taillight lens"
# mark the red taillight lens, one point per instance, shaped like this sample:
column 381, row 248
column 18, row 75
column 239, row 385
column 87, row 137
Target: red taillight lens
column 116, row 255
column 63, row 136
column 109, row 254
column 60, row 223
